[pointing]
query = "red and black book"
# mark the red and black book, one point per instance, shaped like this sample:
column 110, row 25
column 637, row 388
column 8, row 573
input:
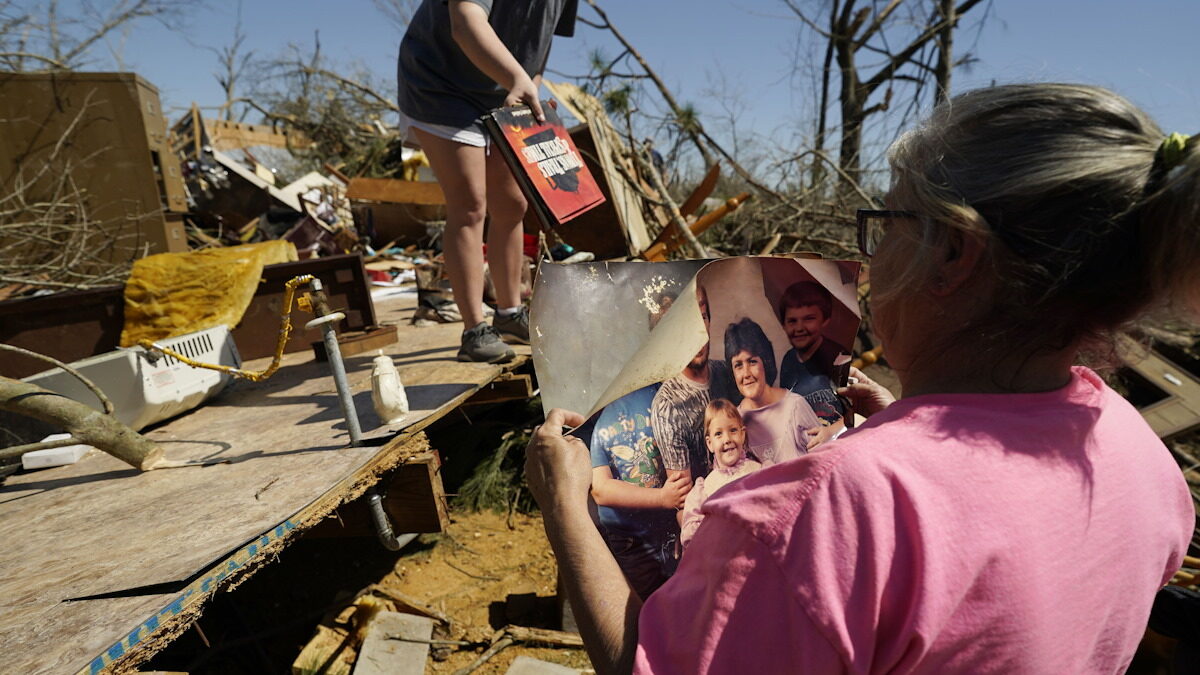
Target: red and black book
column 545, row 162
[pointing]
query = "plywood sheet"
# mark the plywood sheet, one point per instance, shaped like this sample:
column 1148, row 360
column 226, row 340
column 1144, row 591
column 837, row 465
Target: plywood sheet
column 99, row 528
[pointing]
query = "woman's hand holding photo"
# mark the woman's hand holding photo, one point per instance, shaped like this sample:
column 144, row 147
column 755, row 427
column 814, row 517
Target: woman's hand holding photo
column 557, row 467
column 866, row 396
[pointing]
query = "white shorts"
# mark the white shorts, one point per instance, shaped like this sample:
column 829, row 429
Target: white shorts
column 472, row 135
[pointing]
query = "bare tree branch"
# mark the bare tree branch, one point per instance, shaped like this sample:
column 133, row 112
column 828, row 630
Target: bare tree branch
column 905, row 54
column 58, row 65
column 880, row 19
column 688, row 123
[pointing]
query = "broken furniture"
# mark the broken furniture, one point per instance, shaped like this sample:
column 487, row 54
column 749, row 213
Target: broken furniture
column 75, row 325
column 223, row 190
column 109, row 134
column 398, row 211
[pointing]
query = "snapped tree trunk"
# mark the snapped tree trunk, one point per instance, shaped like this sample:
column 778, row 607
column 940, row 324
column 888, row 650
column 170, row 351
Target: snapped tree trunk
column 818, row 167
column 945, row 46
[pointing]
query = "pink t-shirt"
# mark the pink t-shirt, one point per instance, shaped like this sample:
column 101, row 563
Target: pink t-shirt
column 1018, row 533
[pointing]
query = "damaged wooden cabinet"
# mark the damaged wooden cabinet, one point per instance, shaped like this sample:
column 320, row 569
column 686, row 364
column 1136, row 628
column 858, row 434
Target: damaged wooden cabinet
column 102, row 135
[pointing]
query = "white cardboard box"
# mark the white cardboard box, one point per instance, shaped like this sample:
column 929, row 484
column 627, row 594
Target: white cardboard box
column 41, row 459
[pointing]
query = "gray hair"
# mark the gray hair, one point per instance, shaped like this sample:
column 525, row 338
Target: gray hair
column 1084, row 234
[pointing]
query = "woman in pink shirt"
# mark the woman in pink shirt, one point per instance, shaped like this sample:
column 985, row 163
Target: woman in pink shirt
column 1010, row 513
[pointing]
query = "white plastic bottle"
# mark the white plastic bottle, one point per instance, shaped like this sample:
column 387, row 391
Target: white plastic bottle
column 387, row 392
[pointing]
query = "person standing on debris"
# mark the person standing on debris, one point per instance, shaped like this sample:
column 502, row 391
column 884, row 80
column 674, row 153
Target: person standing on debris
column 458, row 60
column 954, row 531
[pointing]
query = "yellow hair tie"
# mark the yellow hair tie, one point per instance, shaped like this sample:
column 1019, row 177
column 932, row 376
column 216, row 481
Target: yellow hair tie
column 1171, row 151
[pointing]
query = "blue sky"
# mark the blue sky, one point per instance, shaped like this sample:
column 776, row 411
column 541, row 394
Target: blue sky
column 743, row 48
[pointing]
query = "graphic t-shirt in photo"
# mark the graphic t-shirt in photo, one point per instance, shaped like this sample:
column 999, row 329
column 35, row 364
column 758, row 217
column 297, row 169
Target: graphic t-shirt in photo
column 811, row 378
column 623, row 440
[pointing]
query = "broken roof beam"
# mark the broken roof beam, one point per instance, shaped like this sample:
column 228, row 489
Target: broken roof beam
column 625, row 200
column 230, row 135
column 394, row 191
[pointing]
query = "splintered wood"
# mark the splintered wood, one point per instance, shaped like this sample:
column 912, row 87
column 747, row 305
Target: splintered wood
column 104, row 565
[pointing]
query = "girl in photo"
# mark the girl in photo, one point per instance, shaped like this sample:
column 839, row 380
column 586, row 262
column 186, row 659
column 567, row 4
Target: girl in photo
column 725, row 435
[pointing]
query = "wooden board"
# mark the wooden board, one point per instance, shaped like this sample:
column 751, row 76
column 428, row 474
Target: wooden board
column 359, row 342
column 507, row 387
column 524, row 665
column 396, row 644
column 413, row 499
column 104, row 565
column 396, row 191
column 230, row 135
column 109, row 128
column 1180, row 411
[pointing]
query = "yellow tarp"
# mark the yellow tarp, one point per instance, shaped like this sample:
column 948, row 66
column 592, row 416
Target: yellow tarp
column 172, row 294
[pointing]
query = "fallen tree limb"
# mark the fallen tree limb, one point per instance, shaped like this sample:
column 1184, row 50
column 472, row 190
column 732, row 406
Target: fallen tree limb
column 86, row 425
column 511, row 635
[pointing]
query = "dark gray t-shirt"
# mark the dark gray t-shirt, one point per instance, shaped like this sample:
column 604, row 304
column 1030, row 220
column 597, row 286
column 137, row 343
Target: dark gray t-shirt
column 440, row 85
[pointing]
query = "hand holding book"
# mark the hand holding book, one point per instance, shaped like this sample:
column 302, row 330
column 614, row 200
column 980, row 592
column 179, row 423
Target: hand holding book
column 545, row 162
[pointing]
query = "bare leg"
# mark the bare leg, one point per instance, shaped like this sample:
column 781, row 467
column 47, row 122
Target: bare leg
column 506, row 205
column 461, row 171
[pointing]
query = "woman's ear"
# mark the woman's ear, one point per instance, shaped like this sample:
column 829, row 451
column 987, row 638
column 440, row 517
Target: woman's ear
column 962, row 255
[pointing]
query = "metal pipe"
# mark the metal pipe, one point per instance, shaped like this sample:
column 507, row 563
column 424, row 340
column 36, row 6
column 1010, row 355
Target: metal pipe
column 345, row 396
column 379, row 518
column 383, row 527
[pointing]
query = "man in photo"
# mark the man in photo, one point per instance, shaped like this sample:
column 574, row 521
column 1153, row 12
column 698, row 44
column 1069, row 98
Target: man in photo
column 677, row 413
column 804, row 312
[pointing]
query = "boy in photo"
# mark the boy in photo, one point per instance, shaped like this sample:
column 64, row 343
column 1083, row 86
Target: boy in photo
column 636, row 501
column 804, row 312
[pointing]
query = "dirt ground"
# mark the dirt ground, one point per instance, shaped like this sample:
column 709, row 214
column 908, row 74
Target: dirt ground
column 487, row 570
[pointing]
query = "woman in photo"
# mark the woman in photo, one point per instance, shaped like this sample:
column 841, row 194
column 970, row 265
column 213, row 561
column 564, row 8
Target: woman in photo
column 1025, row 226
column 781, row 425
column 725, row 434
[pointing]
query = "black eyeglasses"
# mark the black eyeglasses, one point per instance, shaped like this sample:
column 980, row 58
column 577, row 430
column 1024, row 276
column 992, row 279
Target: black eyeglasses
column 872, row 224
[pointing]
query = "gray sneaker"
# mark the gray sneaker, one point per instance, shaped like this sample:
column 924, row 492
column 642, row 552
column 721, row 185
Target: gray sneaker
column 483, row 344
column 514, row 327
